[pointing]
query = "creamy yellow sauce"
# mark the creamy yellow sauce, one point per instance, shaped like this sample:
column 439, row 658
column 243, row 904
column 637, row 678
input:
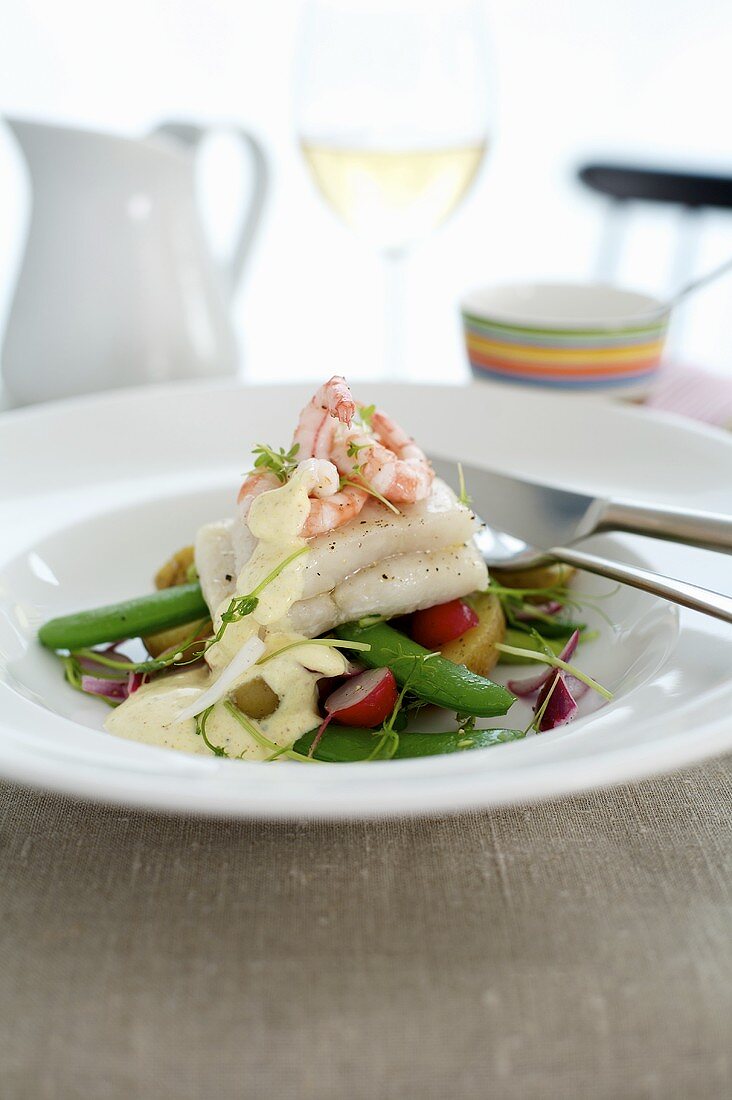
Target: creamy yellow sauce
column 151, row 714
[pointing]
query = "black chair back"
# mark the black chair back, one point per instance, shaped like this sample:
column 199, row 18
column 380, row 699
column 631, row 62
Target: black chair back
column 692, row 193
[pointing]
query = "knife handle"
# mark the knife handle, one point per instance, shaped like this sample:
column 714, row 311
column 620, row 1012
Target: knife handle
column 708, row 530
column 681, row 592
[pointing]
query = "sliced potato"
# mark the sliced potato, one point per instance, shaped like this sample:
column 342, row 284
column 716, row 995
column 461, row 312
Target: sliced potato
column 541, row 576
column 476, row 648
column 156, row 644
column 256, row 698
column 175, row 570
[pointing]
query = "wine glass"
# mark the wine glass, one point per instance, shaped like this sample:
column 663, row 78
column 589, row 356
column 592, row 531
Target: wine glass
column 392, row 112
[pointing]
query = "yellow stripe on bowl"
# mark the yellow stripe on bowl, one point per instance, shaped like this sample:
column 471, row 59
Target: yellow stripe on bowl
column 557, row 356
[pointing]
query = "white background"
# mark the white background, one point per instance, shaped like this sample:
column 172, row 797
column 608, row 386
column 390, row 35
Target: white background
column 640, row 79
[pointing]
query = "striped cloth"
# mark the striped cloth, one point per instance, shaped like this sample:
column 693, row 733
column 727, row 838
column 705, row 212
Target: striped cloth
column 694, row 393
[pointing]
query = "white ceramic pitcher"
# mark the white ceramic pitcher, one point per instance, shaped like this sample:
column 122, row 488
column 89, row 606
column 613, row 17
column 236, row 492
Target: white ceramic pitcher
column 118, row 285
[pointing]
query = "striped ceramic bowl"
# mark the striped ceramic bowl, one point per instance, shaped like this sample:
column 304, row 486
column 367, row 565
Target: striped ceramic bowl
column 563, row 335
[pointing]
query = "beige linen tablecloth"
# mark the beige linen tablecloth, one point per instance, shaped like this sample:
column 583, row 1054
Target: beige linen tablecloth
column 581, row 948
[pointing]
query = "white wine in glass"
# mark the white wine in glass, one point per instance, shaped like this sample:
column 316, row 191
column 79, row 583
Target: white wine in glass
column 393, row 108
column 394, row 198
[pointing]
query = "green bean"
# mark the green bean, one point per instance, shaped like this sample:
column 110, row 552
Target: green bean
column 432, row 678
column 348, row 745
column 130, row 619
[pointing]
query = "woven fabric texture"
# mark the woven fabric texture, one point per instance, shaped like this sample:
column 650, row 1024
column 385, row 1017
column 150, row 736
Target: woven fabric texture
column 579, row 948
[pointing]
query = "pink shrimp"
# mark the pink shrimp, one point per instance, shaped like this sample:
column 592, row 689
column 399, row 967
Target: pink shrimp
column 329, row 506
column 259, row 481
column 380, row 459
column 386, row 459
column 332, row 404
column 327, row 513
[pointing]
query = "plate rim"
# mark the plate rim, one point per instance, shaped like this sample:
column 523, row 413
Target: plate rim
column 614, row 408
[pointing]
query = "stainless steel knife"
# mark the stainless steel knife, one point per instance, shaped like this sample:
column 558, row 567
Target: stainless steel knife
column 526, row 523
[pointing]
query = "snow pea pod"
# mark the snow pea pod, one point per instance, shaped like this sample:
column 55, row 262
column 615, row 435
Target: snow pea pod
column 130, row 619
column 431, row 677
column 348, row 745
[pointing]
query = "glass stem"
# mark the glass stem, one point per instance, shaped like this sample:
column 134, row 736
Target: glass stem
column 394, row 351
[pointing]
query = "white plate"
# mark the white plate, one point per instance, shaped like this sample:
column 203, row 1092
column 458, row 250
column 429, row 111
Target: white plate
column 96, row 491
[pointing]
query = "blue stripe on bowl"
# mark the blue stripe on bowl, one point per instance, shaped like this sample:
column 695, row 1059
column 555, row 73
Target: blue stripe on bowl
column 549, row 381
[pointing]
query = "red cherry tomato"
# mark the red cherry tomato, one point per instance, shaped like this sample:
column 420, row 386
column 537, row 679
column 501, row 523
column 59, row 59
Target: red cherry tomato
column 365, row 700
column 436, row 626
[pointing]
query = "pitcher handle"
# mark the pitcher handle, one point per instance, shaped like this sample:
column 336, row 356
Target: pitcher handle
column 191, row 135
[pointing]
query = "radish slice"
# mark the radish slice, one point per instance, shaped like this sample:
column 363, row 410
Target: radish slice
column 365, row 700
column 328, row 684
column 535, row 683
column 561, row 706
column 248, row 655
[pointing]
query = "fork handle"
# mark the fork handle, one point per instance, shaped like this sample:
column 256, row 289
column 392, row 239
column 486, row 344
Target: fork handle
column 681, row 592
column 708, row 530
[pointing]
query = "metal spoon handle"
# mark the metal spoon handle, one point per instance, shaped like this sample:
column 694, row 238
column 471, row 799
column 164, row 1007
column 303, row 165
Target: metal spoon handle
column 697, row 284
column 681, row 592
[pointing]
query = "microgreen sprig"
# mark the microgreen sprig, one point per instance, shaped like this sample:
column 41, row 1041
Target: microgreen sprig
column 332, row 643
column 365, row 414
column 515, row 599
column 463, row 496
column 541, row 641
column 72, row 672
column 241, row 606
column 201, row 720
column 555, row 662
column 388, row 742
column 280, row 462
column 353, row 449
column 167, row 659
column 364, row 485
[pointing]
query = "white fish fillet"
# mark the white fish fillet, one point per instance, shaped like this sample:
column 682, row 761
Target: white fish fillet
column 214, row 557
column 397, row 586
column 376, row 534
column 312, row 617
column 379, row 563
